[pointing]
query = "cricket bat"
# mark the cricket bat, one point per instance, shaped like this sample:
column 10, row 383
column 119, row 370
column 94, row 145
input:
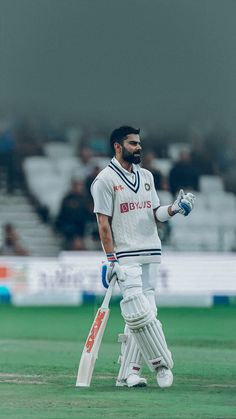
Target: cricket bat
column 94, row 339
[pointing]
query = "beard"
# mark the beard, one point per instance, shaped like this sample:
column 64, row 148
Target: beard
column 131, row 157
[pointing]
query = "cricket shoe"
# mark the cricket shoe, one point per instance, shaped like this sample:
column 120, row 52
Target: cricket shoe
column 133, row 380
column 164, row 377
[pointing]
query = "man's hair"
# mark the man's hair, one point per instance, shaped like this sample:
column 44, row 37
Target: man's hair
column 120, row 134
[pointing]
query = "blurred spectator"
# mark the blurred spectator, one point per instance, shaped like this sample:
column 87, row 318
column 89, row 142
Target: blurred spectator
column 148, row 163
column 183, row 174
column 229, row 179
column 218, row 147
column 86, row 155
column 202, row 159
column 11, row 243
column 86, row 165
column 7, row 154
column 73, row 216
column 90, row 179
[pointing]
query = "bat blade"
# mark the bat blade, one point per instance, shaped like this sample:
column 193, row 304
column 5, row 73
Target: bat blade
column 91, row 348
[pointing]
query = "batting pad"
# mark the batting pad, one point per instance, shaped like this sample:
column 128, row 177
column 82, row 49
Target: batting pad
column 130, row 359
column 147, row 331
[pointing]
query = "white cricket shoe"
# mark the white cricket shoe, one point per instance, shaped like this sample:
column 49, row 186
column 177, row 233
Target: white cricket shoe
column 133, row 380
column 164, row 377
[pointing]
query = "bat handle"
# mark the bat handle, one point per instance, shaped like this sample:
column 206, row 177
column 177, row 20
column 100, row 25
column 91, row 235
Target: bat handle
column 106, row 301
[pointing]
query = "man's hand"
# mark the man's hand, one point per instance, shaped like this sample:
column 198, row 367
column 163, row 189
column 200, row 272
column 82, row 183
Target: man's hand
column 184, row 203
column 111, row 269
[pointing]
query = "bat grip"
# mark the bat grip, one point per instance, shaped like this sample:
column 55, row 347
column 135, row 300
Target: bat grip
column 106, row 301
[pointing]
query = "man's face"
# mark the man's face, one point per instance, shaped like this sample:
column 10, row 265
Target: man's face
column 131, row 149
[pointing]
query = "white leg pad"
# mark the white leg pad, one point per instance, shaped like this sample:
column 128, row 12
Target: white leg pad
column 150, row 294
column 130, row 359
column 147, row 331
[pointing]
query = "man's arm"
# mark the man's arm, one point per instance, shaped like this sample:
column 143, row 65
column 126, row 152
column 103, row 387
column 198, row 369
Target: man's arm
column 105, row 233
column 113, row 267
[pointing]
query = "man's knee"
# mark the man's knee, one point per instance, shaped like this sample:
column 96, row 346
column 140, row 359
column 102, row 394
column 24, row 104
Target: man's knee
column 132, row 283
column 150, row 295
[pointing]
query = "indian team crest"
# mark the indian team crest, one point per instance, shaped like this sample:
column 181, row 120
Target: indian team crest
column 147, row 186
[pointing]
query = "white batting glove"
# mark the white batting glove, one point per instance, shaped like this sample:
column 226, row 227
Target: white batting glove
column 111, row 269
column 184, row 203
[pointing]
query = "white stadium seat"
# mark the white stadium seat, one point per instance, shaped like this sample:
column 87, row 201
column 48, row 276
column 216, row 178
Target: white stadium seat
column 45, row 183
column 175, row 149
column 101, row 162
column 209, row 184
column 196, row 238
column 221, row 201
column 67, row 166
column 56, row 150
column 165, row 197
column 164, row 165
column 37, row 164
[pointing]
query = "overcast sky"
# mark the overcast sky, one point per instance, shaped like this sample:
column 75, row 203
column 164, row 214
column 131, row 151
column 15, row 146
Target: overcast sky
column 136, row 61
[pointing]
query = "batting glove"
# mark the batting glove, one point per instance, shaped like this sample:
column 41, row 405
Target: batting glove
column 184, row 203
column 110, row 269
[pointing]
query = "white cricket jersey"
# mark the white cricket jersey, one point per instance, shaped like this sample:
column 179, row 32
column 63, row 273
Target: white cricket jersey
column 129, row 199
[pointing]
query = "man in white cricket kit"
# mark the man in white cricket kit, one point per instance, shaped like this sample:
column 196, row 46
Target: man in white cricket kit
column 127, row 208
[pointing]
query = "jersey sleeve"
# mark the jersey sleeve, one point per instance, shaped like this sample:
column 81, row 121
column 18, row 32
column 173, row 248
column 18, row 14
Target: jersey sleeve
column 102, row 197
column 155, row 198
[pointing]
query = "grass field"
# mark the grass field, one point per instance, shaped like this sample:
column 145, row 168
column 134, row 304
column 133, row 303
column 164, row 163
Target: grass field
column 40, row 350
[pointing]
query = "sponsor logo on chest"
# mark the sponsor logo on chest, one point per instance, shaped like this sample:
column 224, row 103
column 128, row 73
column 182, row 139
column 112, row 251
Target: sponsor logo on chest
column 131, row 206
column 117, row 188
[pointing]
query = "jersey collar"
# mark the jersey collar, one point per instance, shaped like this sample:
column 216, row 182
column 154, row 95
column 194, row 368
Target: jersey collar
column 125, row 175
column 126, row 172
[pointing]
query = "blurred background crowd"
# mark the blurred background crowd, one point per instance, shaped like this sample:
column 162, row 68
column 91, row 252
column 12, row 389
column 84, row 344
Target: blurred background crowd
column 46, row 169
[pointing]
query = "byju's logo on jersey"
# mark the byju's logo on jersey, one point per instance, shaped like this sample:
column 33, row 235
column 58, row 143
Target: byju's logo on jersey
column 131, row 206
column 124, row 207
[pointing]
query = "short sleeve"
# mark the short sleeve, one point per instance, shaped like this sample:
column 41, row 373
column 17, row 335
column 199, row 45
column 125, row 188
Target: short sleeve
column 102, row 197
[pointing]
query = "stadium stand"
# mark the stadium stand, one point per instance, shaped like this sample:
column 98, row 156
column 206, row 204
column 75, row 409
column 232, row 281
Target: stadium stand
column 48, row 179
column 48, row 156
column 37, row 237
column 210, row 184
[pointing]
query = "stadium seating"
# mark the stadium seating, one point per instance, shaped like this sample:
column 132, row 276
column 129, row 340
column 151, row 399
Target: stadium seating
column 36, row 237
column 55, row 150
column 164, row 165
column 209, row 184
column 165, row 197
column 211, row 226
column 174, row 150
column 220, row 200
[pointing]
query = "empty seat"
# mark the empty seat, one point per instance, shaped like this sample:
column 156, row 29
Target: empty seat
column 164, row 165
column 37, row 164
column 175, row 149
column 221, row 201
column 165, row 197
column 210, row 184
column 56, row 150
column 196, row 239
column 67, row 165
column 101, row 162
column 201, row 203
column 52, row 199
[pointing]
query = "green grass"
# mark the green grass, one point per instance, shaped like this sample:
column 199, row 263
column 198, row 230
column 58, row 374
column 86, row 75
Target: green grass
column 40, row 350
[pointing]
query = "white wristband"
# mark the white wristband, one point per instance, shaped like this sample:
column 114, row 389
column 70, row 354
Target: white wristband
column 162, row 213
